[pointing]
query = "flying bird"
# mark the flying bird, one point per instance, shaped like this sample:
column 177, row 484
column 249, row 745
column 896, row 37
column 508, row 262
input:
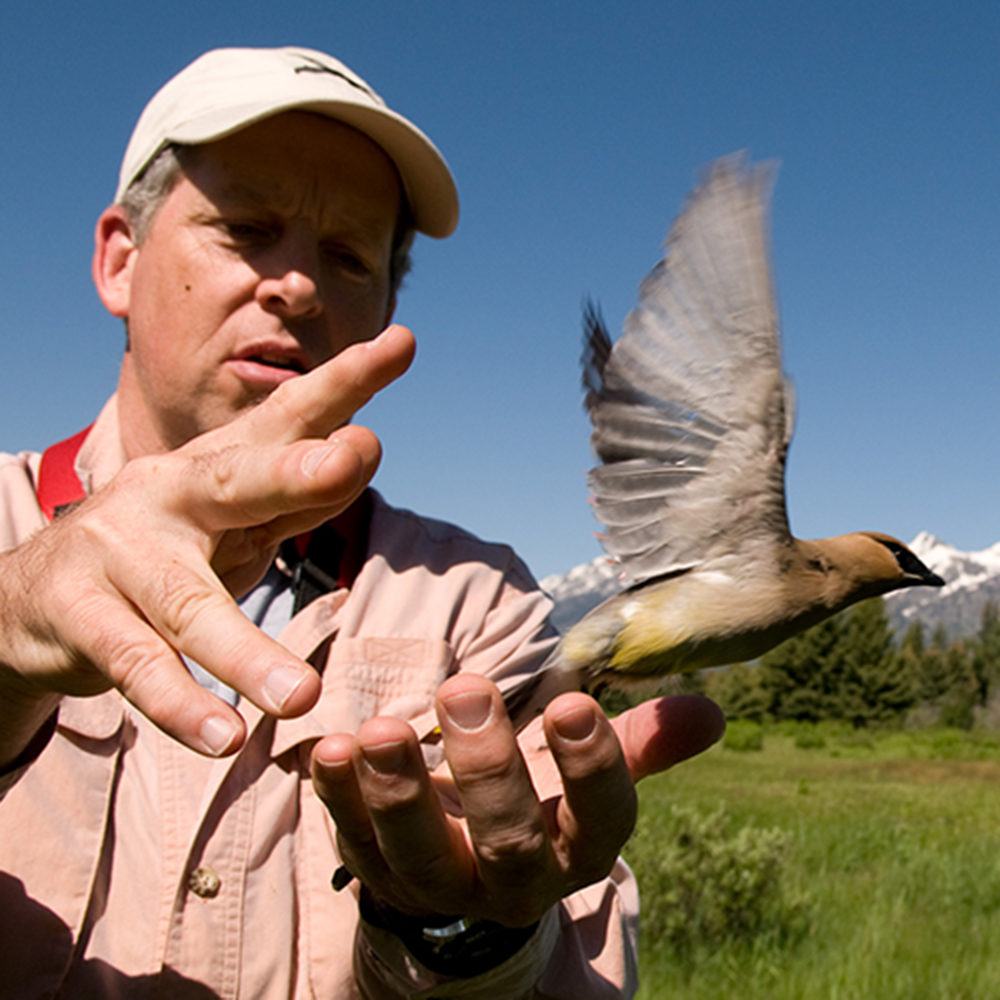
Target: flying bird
column 692, row 418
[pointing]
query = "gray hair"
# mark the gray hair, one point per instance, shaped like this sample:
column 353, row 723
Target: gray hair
column 144, row 196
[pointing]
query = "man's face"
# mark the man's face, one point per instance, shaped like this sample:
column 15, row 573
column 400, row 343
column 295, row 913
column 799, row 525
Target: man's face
column 269, row 256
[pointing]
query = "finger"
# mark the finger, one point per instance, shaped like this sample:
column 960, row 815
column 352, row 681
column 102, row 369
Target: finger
column 155, row 680
column 658, row 734
column 321, row 479
column 597, row 811
column 245, row 474
column 429, row 861
column 196, row 616
column 335, row 472
column 336, row 784
column 506, row 821
column 315, row 404
column 262, row 487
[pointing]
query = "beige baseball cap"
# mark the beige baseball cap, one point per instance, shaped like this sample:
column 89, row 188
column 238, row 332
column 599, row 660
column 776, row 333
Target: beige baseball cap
column 226, row 90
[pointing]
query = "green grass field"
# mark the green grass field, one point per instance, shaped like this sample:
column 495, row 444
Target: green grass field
column 887, row 885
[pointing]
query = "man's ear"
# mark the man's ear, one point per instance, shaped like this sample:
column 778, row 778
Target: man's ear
column 115, row 251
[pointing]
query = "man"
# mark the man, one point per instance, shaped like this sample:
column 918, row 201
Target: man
column 180, row 783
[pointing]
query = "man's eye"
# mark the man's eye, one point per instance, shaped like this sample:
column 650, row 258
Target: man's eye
column 247, row 232
column 349, row 261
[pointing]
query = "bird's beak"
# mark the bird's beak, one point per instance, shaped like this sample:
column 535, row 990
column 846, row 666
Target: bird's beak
column 929, row 579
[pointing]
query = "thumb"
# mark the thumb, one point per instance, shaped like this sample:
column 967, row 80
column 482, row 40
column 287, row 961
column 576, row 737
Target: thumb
column 660, row 733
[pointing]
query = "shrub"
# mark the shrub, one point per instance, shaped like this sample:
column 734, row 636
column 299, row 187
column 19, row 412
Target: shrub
column 857, row 738
column 957, row 710
column 704, row 884
column 742, row 735
column 810, row 738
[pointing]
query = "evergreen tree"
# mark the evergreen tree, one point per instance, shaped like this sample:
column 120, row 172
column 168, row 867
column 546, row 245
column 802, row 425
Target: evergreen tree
column 939, row 637
column 912, row 650
column 947, row 677
column 913, row 647
column 877, row 684
column 986, row 654
column 844, row 668
column 934, row 671
column 802, row 677
column 959, row 700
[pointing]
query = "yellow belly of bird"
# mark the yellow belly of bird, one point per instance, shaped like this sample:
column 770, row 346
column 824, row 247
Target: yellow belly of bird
column 680, row 625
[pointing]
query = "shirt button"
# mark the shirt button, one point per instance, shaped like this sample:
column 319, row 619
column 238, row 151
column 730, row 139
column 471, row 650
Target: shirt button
column 204, row 882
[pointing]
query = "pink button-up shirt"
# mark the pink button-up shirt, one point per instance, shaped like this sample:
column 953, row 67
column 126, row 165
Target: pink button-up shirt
column 132, row 867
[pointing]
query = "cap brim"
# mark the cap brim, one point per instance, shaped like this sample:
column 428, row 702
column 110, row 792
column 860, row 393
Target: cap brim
column 227, row 90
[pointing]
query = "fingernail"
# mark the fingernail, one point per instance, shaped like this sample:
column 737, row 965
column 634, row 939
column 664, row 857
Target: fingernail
column 577, row 725
column 332, row 760
column 314, row 458
column 385, row 758
column 469, row 711
column 217, row 735
column 280, row 684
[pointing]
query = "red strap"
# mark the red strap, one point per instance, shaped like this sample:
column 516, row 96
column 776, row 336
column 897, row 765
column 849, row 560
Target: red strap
column 58, row 483
column 354, row 526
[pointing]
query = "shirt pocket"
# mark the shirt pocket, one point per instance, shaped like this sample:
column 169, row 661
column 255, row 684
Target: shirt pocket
column 394, row 676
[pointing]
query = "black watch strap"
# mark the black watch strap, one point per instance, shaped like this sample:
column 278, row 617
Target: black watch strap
column 459, row 947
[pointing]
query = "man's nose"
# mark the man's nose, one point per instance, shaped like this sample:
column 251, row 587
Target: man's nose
column 291, row 286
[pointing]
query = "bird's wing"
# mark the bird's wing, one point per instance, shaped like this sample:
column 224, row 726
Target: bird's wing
column 691, row 419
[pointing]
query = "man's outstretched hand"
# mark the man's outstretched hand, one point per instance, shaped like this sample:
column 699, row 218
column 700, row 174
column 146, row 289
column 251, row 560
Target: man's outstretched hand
column 512, row 829
column 146, row 569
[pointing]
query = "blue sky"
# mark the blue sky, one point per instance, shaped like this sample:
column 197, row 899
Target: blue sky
column 575, row 131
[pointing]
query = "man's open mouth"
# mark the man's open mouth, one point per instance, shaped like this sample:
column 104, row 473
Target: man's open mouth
column 275, row 361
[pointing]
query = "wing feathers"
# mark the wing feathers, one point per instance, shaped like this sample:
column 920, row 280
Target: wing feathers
column 688, row 407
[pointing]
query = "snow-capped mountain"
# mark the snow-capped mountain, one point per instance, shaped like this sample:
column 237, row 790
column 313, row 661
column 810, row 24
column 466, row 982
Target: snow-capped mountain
column 579, row 590
column 972, row 579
